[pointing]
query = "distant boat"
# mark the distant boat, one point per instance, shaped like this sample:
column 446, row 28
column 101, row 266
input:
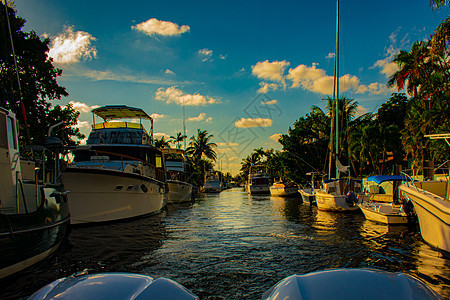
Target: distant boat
column 258, row 180
column 119, row 174
column 431, row 200
column 383, row 207
column 282, row 189
column 213, row 182
column 178, row 176
column 34, row 212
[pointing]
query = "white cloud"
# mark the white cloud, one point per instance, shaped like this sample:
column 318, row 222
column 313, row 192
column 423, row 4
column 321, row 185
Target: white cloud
column 222, row 56
column 82, row 107
column 387, row 67
column 360, row 110
column 253, row 122
column 205, row 54
column 156, row 27
column 82, row 124
column 266, row 87
column 170, row 72
column 108, row 75
column 156, row 116
column 233, row 158
column 275, row 137
column 199, row 118
column 331, row 55
column 373, row 88
column 159, row 135
column 208, row 120
column 70, row 47
column 316, row 80
column 273, row 71
column 270, row 102
column 172, row 94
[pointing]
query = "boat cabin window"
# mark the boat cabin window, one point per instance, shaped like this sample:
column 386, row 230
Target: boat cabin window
column 158, row 161
column 11, row 133
column 117, row 136
column 3, row 134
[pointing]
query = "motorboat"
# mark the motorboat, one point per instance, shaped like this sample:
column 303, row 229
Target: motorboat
column 339, row 195
column 118, row 174
column 213, row 183
column 350, row 284
column 258, row 180
column 380, row 202
column 281, row 189
column 178, row 176
column 329, row 284
column 309, row 194
column 34, row 212
column 113, row 286
column 431, row 200
column 387, row 213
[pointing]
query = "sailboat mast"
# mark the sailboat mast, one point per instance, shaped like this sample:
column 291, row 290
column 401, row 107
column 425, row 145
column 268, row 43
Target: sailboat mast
column 337, row 86
column 184, row 125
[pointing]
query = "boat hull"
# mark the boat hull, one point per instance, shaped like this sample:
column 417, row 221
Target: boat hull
column 383, row 213
column 433, row 213
column 259, row 189
column 179, row 192
column 328, row 202
column 308, row 196
column 283, row 191
column 28, row 238
column 101, row 195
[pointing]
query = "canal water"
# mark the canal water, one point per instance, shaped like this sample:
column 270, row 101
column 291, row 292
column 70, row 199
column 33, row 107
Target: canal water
column 235, row 246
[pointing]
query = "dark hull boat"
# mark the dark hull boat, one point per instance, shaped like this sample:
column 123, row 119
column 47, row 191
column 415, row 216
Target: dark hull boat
column 34, row 211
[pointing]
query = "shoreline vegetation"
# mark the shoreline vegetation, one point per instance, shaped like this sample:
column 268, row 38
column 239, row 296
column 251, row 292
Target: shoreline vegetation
column 374, row 143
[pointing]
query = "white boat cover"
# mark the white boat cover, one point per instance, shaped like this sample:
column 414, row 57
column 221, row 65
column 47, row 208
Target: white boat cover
column 350, row 284
column 113, row 286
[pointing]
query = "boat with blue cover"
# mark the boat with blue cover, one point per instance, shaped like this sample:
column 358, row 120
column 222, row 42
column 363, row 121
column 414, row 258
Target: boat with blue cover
column 119, row 173
column 381, row 202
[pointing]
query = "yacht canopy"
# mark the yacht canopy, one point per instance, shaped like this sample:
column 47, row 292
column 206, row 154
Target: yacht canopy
column 110, row 112
column 382, row 178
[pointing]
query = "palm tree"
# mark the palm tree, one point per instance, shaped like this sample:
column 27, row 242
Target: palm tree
column 412, row 68
column 202, row 146
column 178, row 139
column 162, row 143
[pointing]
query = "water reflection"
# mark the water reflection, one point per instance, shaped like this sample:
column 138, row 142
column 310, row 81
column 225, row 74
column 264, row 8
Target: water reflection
column 235, row 246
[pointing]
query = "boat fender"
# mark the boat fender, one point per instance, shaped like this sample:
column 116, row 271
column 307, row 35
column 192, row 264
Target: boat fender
column 144, row 188
column 351, row 198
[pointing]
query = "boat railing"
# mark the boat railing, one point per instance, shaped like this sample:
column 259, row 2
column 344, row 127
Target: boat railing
column 127, row 160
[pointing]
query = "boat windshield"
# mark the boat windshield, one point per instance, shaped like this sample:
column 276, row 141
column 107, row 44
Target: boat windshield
column 124, row 136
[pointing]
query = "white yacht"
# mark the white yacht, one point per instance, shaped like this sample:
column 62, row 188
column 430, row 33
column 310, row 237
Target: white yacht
column 119, row 174
column 258, row 181
column 431, row 200
column 180, row 189
column 213, row 182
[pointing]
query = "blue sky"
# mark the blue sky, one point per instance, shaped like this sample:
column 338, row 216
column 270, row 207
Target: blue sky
column 245, row 70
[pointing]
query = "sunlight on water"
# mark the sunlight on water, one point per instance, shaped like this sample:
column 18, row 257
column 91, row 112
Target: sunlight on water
column 235, row 246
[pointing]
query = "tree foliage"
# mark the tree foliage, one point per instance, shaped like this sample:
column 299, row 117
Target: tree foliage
column 37, row 81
